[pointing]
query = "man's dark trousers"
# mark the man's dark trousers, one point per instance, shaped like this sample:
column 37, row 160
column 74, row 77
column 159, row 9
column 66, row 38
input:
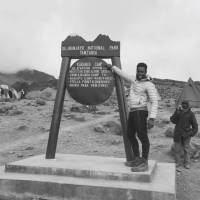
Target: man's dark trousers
column 137, row 124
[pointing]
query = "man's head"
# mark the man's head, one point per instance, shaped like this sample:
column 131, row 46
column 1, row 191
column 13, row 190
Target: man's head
column 141, row 71
column 185, row 104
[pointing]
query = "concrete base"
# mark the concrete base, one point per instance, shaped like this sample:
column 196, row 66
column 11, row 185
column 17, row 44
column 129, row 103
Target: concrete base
column 78, row 177
column 96, row 167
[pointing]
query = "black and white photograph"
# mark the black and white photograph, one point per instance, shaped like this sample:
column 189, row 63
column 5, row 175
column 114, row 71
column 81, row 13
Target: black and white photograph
column 99, row 100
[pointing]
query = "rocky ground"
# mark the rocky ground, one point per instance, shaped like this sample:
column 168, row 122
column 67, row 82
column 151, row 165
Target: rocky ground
column 25, row 128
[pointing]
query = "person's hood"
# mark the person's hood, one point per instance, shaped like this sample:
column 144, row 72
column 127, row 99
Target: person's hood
column 186, row 102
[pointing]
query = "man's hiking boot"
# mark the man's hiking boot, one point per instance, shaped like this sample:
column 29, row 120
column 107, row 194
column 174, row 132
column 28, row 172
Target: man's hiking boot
column 141, row 167
column 134, row 162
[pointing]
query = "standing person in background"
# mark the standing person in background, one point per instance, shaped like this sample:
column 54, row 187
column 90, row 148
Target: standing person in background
column 142, row 91
column 22, row 92
column 185, row 127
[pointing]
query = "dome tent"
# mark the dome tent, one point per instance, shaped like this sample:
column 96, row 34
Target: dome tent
column 191, row 93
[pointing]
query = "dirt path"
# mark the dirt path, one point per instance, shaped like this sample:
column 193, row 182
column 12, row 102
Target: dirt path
column 30, row 140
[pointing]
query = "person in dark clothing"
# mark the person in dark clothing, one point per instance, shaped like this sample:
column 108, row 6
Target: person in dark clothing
column 185, row 128
column 22, row 92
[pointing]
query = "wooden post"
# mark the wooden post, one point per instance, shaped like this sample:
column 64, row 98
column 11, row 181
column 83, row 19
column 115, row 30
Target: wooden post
column 123, row 109
column 57, row 112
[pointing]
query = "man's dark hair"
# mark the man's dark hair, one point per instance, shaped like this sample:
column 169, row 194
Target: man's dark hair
column 142, row 65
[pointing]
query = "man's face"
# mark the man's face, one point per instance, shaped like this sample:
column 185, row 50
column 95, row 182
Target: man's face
column 184, row 105
column 141, row 73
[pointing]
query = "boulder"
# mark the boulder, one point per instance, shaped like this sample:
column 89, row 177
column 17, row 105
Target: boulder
column 22, row 128
column 100, row 129
column 102, row 113
column 195, row 149
column 81, row 109
column 15, row 112
column 5, row 109
column 114, row 127
column 48, row 94
column 169, row 132
column 116, row 142
column 29, row 148
column 40, row 102
column 80, row 119
column 68, row 116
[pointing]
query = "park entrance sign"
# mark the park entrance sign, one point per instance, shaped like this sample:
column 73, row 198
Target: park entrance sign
column 88, row 81
column 102, row 47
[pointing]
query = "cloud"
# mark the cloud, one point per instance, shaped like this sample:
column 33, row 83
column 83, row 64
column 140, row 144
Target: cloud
column 165, row 34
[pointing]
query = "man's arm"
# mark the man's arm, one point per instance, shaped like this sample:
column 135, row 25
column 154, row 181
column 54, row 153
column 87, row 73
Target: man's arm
column 175, row 117
column 122, row 74
column 153, row 96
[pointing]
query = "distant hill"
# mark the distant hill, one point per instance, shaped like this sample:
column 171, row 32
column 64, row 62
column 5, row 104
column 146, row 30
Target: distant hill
column 168, row 88
column 34, row 76
column 28, row 79
column 26, row 75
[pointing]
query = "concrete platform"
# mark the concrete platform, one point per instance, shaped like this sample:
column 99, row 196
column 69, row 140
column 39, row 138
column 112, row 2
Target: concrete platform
column 97, row 167
column 106, row 178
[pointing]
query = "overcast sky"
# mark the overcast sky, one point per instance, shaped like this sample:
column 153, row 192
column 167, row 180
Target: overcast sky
column 163, row 33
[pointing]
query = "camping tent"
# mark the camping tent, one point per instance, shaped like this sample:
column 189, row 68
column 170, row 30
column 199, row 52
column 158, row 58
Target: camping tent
column 7, row 92
column 191, row 93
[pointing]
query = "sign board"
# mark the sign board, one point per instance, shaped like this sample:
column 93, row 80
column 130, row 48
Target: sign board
column 89, row 82
column 102, row 46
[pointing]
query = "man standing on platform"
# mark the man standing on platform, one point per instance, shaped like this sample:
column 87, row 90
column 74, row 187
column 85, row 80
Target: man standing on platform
column 142, row 92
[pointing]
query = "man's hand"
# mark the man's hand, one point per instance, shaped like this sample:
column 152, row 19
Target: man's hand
column 192, row 134
column 150, row 123
column 109, row 66
column 178, row 109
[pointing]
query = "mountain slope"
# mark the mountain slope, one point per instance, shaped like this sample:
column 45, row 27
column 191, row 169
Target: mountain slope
column 34, row 76
column 28, row 79
column 26, row 75
column 8, row 79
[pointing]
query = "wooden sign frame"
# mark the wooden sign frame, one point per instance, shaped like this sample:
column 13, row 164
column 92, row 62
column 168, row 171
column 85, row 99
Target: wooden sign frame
column 75, row 47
